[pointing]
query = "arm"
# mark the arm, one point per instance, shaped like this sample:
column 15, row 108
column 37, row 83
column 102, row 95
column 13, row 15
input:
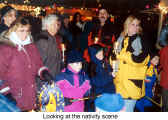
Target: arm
column 5, row 60
column 42, row 46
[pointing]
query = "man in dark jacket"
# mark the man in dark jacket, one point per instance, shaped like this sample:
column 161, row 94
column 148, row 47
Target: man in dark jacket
column 103, row 31
column 103, row 28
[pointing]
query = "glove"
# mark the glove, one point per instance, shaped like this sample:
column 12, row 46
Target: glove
column 11, row 98
column 68, row 101
column 47, row 77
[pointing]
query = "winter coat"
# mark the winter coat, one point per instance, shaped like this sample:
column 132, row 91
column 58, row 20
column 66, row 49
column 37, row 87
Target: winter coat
column 49, row 51
column 164, row 67
column 150, row 80
column 102, row 82
column 104, row 33
column 133, row 62
column 73, row 85
column 19, row 69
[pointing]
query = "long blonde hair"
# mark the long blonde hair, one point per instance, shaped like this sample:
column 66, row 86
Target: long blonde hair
column 128, row 21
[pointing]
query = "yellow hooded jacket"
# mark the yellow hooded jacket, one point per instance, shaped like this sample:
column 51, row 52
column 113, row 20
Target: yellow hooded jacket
column 130, row 77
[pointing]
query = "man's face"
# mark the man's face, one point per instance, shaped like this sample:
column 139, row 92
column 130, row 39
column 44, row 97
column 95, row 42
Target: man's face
column 54, row 27
column 103, row 15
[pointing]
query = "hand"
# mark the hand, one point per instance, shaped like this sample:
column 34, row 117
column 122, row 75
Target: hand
column 68, row 101
column 11, row 98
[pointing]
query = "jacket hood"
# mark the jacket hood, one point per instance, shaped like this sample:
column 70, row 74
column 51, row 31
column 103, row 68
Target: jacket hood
column 5, row 40
column 93, row 50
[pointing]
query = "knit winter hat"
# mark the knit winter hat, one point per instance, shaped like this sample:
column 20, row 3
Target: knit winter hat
column 110, row 102
column 5, row 10
column 74, row 56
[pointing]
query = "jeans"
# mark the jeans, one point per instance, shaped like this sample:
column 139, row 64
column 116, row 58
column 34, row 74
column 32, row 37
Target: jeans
column 129, row 105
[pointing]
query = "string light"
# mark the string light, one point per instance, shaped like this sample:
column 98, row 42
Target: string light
column 163, row 9
column 26, row 1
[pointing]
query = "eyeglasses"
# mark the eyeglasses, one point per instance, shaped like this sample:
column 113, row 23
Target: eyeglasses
column 23, row 31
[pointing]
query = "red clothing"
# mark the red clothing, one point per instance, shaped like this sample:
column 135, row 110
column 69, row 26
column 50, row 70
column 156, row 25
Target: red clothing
column 164, row 67
column 18, row 70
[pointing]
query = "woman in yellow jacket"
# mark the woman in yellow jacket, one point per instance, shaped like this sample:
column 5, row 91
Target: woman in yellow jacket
column 133, row 58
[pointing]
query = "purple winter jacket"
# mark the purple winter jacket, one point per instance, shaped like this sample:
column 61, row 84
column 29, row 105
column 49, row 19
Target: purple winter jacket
column 18, row 69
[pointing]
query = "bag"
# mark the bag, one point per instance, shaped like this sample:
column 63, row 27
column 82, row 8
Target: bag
column 51, row 98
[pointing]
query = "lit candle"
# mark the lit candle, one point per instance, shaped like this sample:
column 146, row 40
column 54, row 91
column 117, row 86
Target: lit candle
column 96, row 40
column 114, row 64
column 63, row 51
column 116, row 47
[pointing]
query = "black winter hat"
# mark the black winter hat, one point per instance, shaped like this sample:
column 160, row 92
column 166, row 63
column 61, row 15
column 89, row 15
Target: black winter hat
column 5, row 10
column 74, row 56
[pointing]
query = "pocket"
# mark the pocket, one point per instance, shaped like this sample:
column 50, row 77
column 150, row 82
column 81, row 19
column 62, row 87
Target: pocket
column 135, row 88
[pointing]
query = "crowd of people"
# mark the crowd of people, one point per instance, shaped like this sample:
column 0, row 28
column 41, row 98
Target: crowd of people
column 73, row 65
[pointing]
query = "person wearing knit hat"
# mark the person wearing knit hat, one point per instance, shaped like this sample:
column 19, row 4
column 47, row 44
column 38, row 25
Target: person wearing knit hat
column 8, row 16
column 74, row 83
column 74, row 56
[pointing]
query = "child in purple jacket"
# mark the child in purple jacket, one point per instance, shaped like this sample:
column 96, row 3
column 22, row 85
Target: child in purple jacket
column 74, row 83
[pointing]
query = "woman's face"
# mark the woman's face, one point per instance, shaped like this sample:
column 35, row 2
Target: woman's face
column 78, row 17
column 133, row 28
column 23, row 32
column 10, row 17
column 77, row 66
column 100, row 55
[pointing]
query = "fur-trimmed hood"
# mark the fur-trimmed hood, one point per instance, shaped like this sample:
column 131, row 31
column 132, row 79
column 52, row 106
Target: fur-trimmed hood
column 5, row 39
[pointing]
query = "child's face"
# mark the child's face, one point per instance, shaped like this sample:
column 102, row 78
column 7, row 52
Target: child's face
column 155, row 60
column 77, row 66
column 100, row 55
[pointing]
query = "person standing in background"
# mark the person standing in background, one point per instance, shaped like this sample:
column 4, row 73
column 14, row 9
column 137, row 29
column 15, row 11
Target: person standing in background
column 47, row 44
column 76, row 28
column 8, row 16
column 103, row 31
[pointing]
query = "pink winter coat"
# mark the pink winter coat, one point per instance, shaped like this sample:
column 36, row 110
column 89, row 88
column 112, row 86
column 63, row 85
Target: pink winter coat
column 18, row 69
column 73, row 85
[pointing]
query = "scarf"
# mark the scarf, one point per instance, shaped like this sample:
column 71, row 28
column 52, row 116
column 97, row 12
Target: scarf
column 18, row 42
